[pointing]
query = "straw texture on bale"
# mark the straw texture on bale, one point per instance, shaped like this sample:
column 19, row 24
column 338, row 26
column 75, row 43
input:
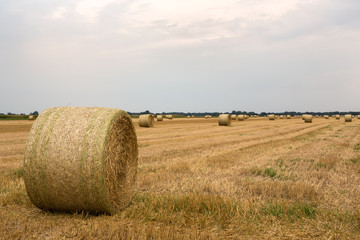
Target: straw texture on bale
column 81, row 159
column 272, row 117
column 241, row 117
column 169, row 116
column 308, row 118
column 31, row 117
column 348, row 118
column 146, row 120
column 224, row 120
column 159, row 118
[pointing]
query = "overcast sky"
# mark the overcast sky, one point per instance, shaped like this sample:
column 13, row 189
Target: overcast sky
column 180, row 55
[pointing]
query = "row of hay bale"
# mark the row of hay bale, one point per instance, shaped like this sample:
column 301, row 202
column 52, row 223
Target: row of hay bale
column 225, row 119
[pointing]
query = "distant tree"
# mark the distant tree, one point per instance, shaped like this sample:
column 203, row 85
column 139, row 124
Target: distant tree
column 9, row 113
column 34, row 113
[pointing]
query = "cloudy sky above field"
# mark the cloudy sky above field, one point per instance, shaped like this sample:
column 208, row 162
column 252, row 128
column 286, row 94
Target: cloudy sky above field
column 180, row 55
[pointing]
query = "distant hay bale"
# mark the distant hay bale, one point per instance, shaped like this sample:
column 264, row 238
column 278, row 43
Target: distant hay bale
column 31, row 117
column 308, row 118
column 281, row 117
column 169, row 116
column 233, row 116
column 146, row 120
column 159, row 118
column 326, row 116
column 337, row 117
column 241, row 117
column 224, row 120
column 288, row 116
column 246, row 116
column 188, row 116
column 348, row 118
column 81, row 159
column 358, row 116
column 271, row 116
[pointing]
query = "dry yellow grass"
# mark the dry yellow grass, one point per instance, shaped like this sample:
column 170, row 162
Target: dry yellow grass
column 258, row 179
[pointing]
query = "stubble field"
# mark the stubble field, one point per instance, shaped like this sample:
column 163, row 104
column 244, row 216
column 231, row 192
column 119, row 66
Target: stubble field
column 259, row 179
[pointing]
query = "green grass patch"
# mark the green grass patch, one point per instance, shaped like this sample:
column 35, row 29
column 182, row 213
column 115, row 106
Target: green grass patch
column 355, row 160
column 270, row 172
column 17, row 173
column 357, row 147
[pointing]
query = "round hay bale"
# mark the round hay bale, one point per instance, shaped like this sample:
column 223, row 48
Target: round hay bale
column 31, row 117
column 308, row 118
column 337, row 117
column 224, row 120
column 358, row 117
column 188, row 116
column 169, row 116
column 81, row 159
column 271, row 117
column 348, row 118
column 146, row 120
column 233, row 116
column 288, row 116
column 159, row 118
column 281, row 117
column 246, row 116
column 303, row 116
column 326, row 116
column 241, row 117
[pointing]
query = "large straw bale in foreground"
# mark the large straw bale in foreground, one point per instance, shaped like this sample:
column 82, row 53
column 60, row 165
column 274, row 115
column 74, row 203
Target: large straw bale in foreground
column 308, row 118
column 348, row 118
column 224, row 120
column 146, row 120
column 81, row 159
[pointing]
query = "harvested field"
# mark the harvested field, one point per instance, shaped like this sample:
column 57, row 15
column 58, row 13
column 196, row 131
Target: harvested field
column 257, row 179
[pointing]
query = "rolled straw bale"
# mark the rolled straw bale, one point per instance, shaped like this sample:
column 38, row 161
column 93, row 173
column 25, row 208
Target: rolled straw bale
column 271, row 116
column 159, row 118
column 288, row 116
column 233, row 116
column 326, row 116
column 169, row 116
column 241, row 117
column 146, row 120
column 303, row 117
column 246, row 116
column 358, row 117
column 337, row 117
column 224, row 120
column 81, row 159
column 281, row 117
column 188, row 116
column 31, row 117
column 308, row 118
column 348, row 118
